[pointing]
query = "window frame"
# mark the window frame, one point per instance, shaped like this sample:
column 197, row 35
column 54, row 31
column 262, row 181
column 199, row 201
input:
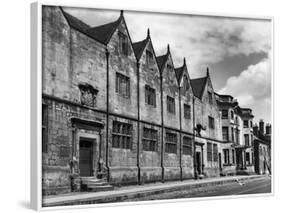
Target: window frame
column 222, row 114
column 215, row 152
column 151, row 139
column 209, row 152
column 44, row 133
column 226, row 156
column 227, row 135
column 123, row 43
column 171, row 145
column 211, row 122
column 171, row 105
column 246, row 125
column 150, row 95
column 122, row 79
column 247, row 139
column 233, row 156
column 187, row 145
column 122, row 137
column 186, row 111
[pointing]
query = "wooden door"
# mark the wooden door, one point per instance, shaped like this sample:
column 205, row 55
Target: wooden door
column 86, row 158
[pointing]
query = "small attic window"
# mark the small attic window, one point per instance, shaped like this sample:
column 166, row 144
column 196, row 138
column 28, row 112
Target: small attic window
column 149, row 56
column 88, row 95
column 186, row 84
column 123, row 42
column 210, row 97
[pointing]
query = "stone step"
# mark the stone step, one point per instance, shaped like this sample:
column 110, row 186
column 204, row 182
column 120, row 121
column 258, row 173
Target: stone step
column 100, row 188
column 97, row 184
column 93, row 184
column 91, row 180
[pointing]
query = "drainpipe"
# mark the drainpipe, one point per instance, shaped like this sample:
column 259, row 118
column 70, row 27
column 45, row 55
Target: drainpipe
column 107, row 114
column 162, row 128
column 180, row 133
column 193, row 130
column 138, row 124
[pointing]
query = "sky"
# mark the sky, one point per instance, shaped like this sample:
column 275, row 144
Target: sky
column 237, row 51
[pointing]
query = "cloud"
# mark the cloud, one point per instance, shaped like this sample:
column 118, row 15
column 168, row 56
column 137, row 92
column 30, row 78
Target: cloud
column 252, row 88
column 203, row 40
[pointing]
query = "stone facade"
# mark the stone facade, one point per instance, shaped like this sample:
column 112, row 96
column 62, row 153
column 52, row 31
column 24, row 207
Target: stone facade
column 112, row 109
column 237, row 128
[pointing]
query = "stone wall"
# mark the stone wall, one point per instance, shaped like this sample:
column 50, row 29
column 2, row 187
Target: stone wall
column 126, row 65
column 55, row 53
column 123, row 162
column 150, row 161
column 150, row 75
column 56, row 161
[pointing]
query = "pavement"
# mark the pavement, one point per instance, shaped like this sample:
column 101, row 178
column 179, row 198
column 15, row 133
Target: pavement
column 167, row 190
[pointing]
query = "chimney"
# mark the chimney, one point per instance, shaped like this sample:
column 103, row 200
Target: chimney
column 261, row 127
column 268, row 129
column 256, row 130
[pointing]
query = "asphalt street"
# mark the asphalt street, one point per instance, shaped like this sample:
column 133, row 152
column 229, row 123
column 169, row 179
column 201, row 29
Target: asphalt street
column 238, row 188
column 262, row 185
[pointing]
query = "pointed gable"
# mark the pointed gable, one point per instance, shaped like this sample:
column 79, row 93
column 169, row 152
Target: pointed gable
column 198, row 86
column 104, row 32
column 139, row 47
column 163, row 59
column 75, row 23
column 180, row 71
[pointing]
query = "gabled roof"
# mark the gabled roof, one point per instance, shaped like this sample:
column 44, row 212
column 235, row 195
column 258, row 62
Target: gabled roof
column 104, row 32
column 161, row 60
column 139, row 47
column 100, row 33
column 198, row 86
column 179, row 73
column 75, row 22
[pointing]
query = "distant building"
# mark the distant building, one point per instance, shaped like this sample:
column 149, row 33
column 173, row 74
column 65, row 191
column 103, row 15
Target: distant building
column 113, row 111
column 237, row 131
column 262, row 147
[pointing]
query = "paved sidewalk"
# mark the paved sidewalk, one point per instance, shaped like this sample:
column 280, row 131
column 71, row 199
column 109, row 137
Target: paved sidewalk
column 122, row 193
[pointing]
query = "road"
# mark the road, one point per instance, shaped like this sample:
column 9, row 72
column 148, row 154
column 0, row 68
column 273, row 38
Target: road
column 258, row 186
column 249, row 187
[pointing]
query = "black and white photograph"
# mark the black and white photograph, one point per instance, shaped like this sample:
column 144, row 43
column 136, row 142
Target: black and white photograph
column 149, row 106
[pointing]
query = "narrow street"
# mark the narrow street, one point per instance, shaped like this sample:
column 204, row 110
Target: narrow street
column 220, row 186
column 237, row 188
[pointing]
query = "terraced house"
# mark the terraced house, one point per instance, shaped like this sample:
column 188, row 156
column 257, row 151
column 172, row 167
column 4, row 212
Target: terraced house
column 115, row 113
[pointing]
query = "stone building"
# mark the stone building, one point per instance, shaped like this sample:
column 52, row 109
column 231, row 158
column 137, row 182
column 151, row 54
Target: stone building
column 207, row 125
column 231, row 132
column 114, row 113
column 237, row 132
column 262, row 148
